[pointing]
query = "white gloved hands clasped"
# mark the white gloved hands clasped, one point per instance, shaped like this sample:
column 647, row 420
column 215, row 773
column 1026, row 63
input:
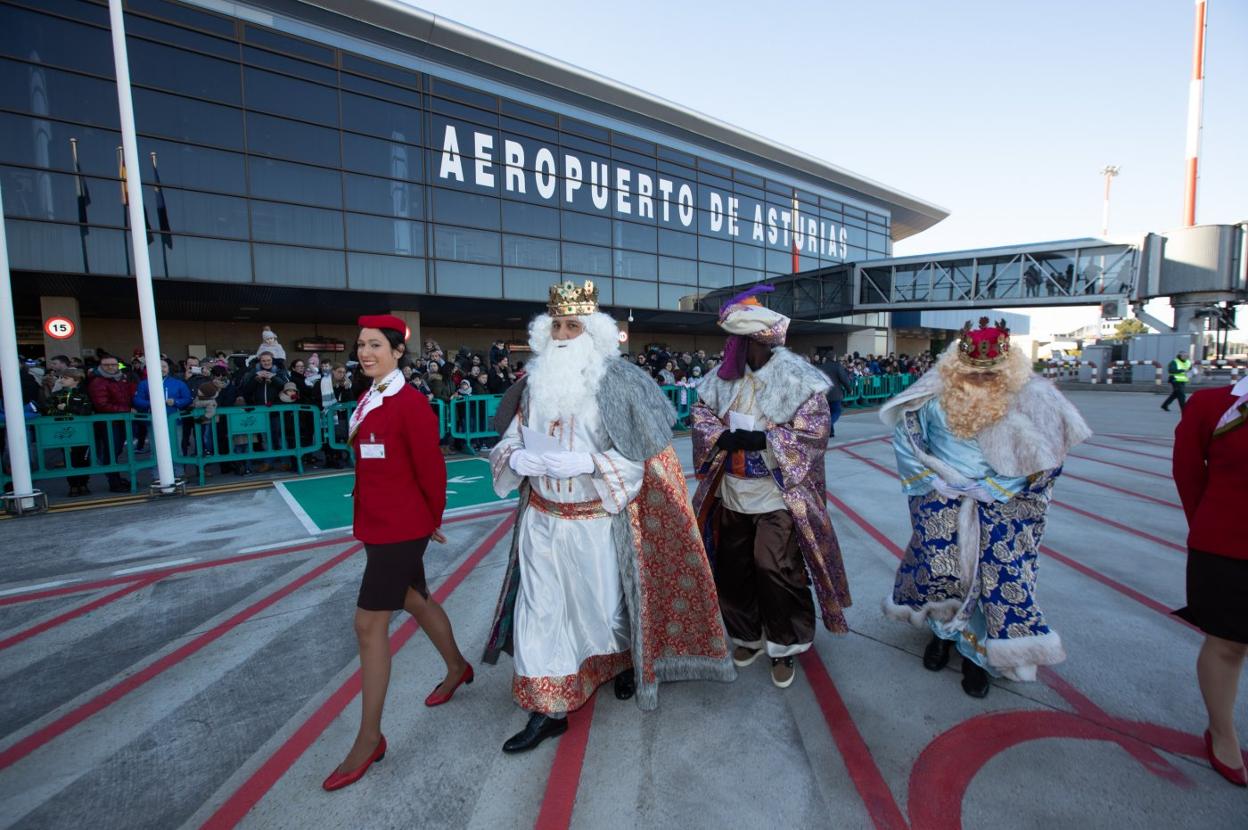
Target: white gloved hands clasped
column 568, row 464
column 525, row 463
column 975, row 491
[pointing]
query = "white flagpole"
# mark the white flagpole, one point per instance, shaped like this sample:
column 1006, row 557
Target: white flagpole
column 138, row 243
column 14, row 417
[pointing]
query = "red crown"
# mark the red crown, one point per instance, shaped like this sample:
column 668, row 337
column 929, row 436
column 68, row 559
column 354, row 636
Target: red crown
column 986, row 346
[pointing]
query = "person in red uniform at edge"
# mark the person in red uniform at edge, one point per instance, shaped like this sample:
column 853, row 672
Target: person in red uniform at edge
column 400, row 493
column 1211, row 473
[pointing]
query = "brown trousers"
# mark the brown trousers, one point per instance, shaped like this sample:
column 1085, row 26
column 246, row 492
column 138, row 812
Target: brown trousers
column 764, row 590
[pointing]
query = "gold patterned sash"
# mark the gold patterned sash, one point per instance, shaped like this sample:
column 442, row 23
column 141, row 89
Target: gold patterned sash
column 568, row 510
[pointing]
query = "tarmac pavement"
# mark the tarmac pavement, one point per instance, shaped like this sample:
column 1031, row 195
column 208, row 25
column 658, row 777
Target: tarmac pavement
column 191, row 663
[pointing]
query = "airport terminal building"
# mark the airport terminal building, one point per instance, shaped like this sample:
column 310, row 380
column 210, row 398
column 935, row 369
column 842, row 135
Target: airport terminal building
column 304, row 162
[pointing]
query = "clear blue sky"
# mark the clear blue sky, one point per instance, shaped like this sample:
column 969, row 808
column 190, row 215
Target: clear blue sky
column 1002, row 112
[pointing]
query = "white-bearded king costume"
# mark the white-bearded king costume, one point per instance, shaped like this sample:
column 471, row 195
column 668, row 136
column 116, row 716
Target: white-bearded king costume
column 607, row 571
column 978, row 461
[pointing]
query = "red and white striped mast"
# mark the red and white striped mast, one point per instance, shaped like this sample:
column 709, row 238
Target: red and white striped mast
column 1195, row 105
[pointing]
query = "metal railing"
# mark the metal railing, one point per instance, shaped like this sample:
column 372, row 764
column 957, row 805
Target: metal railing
column 243, row 434
column 65, row 446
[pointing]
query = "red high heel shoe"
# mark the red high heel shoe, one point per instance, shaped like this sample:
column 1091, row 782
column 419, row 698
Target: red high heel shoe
column 337, row 780
column 436, row 699
column 1238, row 777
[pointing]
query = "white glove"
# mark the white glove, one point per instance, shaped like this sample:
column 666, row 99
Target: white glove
column 946, row 489
column 526, row 463
column 568, row 464
column 980, row 493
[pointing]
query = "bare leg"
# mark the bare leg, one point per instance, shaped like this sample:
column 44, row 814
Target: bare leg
column 438, row 626
column 1218, row 668
column 371, row 630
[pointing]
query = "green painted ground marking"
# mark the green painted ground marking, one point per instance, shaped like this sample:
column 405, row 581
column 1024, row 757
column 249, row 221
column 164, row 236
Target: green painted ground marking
column 323, row 503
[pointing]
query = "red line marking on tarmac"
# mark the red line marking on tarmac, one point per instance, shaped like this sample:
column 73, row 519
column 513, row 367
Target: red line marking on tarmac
column 1143, row 439
column 1119, row 526
column 74, row 613
column 1124, row 449
column 860, row 442
column 77, row 715
column 863, row 771
column 1131, row 593
column 565, row 771
column 1139, row 470
column 284, row 757
column 1122, row 490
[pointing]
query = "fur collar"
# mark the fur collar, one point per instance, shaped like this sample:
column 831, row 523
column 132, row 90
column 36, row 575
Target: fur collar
column 1036, row 433
column 787, row 383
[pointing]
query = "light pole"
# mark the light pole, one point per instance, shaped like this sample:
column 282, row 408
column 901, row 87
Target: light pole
column 1109, row 171
column 1195, row 107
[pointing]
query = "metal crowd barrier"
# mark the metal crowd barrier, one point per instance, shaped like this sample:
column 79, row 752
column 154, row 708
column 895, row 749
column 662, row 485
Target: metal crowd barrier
column 472, row 419
column 86, row 445
column 682, row 399
column 245, row 434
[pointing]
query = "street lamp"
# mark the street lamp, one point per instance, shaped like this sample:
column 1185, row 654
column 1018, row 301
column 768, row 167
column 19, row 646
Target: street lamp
column 1108, row 171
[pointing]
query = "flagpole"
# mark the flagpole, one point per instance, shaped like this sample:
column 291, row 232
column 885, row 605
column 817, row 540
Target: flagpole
column 142, row 265
column 84, row 199
column 162, row 217
column 11, row 382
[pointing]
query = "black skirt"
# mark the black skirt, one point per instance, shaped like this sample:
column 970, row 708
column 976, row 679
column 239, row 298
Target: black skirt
column 391, row 570
column 1217, row 595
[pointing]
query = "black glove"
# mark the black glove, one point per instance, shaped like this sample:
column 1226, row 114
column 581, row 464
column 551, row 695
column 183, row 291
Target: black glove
column 753, row 440
column 729, row 440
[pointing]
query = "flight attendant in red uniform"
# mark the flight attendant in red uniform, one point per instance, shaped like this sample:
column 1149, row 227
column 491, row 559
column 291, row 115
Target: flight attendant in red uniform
column 400, row 493
column 1211, row 474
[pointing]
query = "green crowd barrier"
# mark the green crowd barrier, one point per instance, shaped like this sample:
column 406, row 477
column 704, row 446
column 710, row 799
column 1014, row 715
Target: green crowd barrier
column 335, row 421
column 472, row 418
column 682, row 399
column 84, row 445
column 245, row 434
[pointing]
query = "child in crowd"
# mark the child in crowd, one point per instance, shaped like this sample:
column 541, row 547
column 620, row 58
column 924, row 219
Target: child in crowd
column 268, row 343
column 70, row 399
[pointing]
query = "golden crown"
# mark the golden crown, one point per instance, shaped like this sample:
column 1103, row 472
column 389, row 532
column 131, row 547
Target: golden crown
column 568, row 300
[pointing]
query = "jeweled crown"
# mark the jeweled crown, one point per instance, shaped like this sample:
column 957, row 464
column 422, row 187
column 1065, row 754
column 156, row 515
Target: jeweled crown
column 569, row 300
column 986, row 346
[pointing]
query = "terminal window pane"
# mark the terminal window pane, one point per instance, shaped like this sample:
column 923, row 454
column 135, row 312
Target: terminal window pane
column 280, row 95
column 746, row 276
column 181, row 14
column 191, row 166
column 373, row 272
column 292, row 140
column 639, row 266
column 446, row 89
column 282, row 265
column 38, row 194
column 779, row 261
column 284, row 43
column 856, row 236
column 715, row 250
column 465, row 208
column 748, row 256
column 37, row 142
column 877, row 242
column 271, row 222
column 465, row 245
column 49, row 92
column 385, row 196
column 676, row 156
column 463, row 279
column 755, row 194
column 201, row 213
column 513, row 128
column 675, row 243
column 390, row 236
column 634, row 144
column 579, row 227
column 167, row 67
column 48, row 246
column 378, row 69
column 528, row 113
column 524, row 284
column 530, row 219
column 678, row 270
column 585, row 145
column 54, row 42
column 379, row 89
column 169, row 116
column 291, row 66
column 384, row 158
column 636, row 294
column 711, row 275
column 717, row 169
column 855, row 212
column 747, row 206
column 678, row 296
column 463, row 112
column 272, row 179
column 636, row 237
column 587, row 130
column 527, row 252
column 196, row 258
column 748, row 179
column 392, row 121
column 586, row 260
column 177, row 36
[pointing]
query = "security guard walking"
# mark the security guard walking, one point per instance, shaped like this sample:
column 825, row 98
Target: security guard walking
column 1178, row 369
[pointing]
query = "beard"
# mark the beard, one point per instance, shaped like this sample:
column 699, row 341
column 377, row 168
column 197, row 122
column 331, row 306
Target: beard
column 564, row 378
column 971, row 407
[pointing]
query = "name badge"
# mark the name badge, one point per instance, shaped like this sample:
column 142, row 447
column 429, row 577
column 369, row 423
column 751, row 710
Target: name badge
column 372, row 450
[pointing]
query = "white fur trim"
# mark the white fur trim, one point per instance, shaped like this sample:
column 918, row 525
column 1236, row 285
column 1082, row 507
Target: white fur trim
column 776, row 651
column 788, row 382
column 1025, row 653
column 942, row 611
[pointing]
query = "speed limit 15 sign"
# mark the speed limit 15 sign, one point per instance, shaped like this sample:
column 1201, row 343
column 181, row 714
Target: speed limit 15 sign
column 59, row 328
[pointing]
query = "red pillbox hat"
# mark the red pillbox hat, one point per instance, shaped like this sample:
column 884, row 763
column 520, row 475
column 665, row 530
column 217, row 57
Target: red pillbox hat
column 383, row 321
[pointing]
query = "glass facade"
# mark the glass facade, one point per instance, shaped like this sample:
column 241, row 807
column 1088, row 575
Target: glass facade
column 272, row 159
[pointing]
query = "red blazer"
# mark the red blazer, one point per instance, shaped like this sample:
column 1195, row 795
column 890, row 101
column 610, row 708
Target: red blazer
column 1212, row 475
column 401, row 496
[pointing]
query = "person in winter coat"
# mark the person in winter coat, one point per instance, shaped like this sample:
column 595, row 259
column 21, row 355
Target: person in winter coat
column 70, row 399
column 111, row 392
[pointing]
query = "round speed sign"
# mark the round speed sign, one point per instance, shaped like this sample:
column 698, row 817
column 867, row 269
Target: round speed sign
column 59, row 328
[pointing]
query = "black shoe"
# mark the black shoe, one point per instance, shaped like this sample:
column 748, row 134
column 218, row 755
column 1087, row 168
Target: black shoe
column 975, row 681
column 936, row 655
column 121, row 486
column 539, row 728
column 625, row 684
column 1165, row 409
